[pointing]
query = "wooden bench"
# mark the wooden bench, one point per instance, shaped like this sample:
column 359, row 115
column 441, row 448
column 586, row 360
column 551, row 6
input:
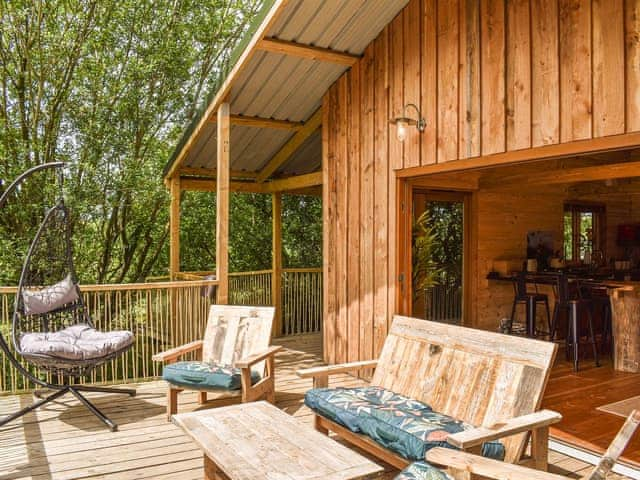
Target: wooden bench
column 489, row 380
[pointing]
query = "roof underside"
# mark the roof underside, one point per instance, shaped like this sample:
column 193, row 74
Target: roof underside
column 283, row 87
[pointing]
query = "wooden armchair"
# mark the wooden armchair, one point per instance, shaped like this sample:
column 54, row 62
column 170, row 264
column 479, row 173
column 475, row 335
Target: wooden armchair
column 234, row 356
column 465, row 465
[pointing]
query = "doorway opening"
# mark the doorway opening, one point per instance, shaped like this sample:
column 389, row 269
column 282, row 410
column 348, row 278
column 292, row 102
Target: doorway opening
column 438, row 255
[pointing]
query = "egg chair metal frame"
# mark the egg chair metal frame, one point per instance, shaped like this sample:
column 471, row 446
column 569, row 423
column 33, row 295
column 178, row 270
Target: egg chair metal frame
column 67, row 371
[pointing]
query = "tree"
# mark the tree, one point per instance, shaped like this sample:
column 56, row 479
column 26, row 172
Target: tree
column 106, row 86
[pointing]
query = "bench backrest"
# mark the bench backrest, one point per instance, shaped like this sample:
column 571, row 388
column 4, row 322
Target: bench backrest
column 234, row 332
column 476, row 376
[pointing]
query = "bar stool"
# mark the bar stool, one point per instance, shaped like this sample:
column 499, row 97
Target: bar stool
column 530, row 300
column 573, row 307
column 599, row 296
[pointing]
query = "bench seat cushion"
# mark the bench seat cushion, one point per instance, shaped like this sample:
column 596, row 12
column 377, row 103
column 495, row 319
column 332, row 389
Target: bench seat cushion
column 405, row 426
column 422, row 471
column 205, row 376
column 348, row 406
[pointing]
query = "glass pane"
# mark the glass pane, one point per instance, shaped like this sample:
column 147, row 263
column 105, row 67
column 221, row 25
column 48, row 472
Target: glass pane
column 586, row 235
column 568, row 235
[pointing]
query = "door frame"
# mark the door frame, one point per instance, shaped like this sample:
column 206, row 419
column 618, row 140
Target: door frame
column 406, row 187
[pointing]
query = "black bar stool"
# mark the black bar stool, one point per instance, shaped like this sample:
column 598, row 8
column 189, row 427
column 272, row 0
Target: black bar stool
column 530, row 300
column 573, row 305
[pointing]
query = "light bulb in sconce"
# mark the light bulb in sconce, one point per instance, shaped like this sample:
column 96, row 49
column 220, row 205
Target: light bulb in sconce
column 401, row 131
column 402, row 123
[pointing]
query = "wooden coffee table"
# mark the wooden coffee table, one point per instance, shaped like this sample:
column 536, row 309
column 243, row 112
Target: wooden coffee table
column 257, row 440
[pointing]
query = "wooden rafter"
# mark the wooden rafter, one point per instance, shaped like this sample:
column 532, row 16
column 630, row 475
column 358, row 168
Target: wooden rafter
column 210, row 185
column 291, row 146
column 309, row 52
column 298, row 184
column 572, row 175
column 270, row 18
column 211, row 172
column 260, row 122
column 294, row 183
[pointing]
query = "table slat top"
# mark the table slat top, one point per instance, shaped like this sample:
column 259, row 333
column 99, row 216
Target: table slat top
column 259, row 441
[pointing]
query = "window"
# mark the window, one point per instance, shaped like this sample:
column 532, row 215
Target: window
column 584, row 227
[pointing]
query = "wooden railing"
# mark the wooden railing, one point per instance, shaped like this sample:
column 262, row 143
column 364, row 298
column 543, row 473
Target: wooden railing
column 301, row 295
column 166, row 314
column 443, row 303
column 161, row 316
column 301, row 300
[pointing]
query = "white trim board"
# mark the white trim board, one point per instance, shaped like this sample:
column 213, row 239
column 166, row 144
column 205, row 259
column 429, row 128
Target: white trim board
column 591, row 458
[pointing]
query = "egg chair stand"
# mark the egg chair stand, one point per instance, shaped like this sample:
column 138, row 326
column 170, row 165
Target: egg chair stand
column 51, row 328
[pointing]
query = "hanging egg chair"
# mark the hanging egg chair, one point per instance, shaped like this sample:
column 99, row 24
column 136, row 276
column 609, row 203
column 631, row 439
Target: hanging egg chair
column 51, row 328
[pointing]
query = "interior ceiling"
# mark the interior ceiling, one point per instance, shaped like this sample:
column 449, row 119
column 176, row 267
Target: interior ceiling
column 286, row 87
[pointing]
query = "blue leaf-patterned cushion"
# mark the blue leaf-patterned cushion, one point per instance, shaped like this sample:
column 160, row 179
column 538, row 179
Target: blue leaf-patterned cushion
column 205, row 376
column 349, row 406
column 422, row 471
column 405, row 426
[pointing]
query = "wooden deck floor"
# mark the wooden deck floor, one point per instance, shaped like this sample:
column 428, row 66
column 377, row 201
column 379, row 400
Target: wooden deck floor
column 64, row 441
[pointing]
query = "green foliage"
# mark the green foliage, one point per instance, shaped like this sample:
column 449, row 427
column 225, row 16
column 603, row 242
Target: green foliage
column 425, row 270
column 447, row 223
column 108, row 86
column 301, row 231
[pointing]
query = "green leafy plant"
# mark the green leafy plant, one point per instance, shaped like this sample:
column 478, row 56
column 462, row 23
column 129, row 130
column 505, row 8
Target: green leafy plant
column 425, row 271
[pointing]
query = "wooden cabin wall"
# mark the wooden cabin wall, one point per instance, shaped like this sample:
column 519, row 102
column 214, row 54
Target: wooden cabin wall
column 489, row 76
column 503, row 221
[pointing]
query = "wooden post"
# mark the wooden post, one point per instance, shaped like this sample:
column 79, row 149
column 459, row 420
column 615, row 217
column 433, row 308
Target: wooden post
column 222, row 205
column 174, row 228
column 276, row 279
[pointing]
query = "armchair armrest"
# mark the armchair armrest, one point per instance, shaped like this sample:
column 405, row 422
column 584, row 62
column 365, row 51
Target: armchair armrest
column 328, row 370
column 177, row 352
column 525, row 423
column 258, row 357
column 485, row 467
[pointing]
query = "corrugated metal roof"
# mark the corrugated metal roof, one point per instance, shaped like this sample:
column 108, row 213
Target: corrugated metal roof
column 273, row 85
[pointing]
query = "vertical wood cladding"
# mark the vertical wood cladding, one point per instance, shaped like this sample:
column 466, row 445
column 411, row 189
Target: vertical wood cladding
column 489, row 76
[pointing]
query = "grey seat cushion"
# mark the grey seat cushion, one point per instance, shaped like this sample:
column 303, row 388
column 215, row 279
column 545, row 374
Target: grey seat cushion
column 76, row 343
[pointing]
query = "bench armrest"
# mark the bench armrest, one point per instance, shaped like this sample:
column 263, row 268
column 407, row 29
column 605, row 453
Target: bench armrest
column 336, row 369
column 485, row 467
column 525, row 423
column 321, row 375
column 175, row 353
column 258, row 357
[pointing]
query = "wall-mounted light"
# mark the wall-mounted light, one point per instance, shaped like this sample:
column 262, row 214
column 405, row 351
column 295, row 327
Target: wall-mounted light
column 403, row 122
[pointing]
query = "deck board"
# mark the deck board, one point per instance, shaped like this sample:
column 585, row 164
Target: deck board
column 64, row 441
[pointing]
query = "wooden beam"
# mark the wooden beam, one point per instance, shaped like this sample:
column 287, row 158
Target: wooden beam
column 210, row 185
column 621, row 187
column 572, row 175
column 260, row 122
column 276, row 275
column 270, row 18
column 294, row 183
column 304, row 184
column 309, row 52
column 174, row 228
column 211, row 172
column 546, row 152
column 222, row 204
column 445, row 181
column 291, row 146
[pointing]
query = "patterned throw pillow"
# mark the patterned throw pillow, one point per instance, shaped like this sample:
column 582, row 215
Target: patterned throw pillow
column 37, row 302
